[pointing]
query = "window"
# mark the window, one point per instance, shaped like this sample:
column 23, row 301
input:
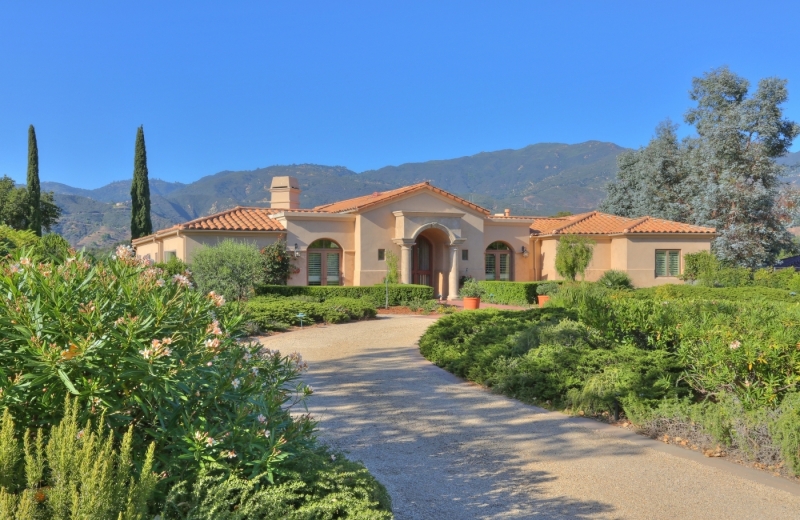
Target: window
column 464, row 255
column 668, row 262
column 324, row 263
column 169, row 255
column 381, row 254
column 498, row 262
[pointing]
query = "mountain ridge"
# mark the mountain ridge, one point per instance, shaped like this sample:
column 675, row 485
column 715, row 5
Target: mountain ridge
column 541, row 179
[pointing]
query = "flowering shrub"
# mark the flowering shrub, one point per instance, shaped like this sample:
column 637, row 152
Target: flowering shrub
column 149, row 351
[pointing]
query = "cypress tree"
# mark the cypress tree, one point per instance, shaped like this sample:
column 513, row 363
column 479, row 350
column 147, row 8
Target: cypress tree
column 34, row 189
column 140, row 191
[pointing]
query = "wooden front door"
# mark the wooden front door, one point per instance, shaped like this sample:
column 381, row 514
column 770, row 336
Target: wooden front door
column 422, row 255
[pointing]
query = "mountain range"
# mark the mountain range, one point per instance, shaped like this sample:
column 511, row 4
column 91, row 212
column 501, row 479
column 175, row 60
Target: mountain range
column 540, row 179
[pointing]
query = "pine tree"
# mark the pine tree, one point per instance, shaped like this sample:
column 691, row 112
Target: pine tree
column 34, row 189
column 141, row 224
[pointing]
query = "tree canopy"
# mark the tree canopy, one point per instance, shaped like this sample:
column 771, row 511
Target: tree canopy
column 15, row 206
column 141, row 225
column 573, row 255
column 726, row 176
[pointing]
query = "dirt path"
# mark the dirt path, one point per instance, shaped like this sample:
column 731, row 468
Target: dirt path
column 447, row 449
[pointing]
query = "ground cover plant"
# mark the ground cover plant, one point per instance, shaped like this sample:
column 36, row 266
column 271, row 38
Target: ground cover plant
column 143, row 352
column 714, row 371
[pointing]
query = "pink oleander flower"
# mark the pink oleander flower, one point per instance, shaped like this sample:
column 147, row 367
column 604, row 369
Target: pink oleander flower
column 181, row 280
column 736, row 344
column 218, row 299
column 261, row 418
column 213, row 328
column 160, row 282
column 212, row 343
column 235, row 383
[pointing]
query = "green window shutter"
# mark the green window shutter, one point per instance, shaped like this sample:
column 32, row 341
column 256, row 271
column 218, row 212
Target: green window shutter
column 315, row 269
column 661, row 263
column 674, row 263
column 332, row 269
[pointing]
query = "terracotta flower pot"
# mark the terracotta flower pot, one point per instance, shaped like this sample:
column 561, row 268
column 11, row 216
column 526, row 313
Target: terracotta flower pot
column 542, row 299
column 472, row 303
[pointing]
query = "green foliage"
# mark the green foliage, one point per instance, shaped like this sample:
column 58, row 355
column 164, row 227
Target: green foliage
column 392, row 268
column 78, row 473
column 271, row 312
column 318, row 484
column 34, row 188
column 229, row 268
column 510, row 293
column 705, row 269
column 730, row 163
column 141, row 225
column 399, row 294
column 699, row 292
column 173, row 266
column 277, row 264
column 151, row 352
column 714, row 364
column 700, row 267
column 471, row 289
column 573, row 255
column 15, row 206
column 613, row 279
column 52, row 248
column 547, row 288
column 12, row 239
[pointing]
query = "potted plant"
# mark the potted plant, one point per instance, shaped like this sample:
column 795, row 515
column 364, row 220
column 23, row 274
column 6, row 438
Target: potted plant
column 544, row 291
column 471, row 292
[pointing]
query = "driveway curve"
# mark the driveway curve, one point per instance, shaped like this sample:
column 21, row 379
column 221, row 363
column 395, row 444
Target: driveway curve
column 448, row 449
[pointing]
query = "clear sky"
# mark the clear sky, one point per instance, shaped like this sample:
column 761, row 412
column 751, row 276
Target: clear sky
column 241, row 85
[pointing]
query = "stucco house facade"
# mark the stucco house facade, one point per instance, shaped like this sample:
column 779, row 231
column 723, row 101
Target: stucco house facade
column 437, row 236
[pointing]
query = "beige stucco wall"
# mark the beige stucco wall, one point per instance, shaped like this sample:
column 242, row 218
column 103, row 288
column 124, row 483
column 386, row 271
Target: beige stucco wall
column 641, row 255
column 190, row 241
column 632, row 254
column 149, row 250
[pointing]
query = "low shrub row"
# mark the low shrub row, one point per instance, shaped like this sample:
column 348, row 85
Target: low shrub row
column 511, row 293
column 727, row 370
column 399, row 294
column 275, row 312
column 699, row 292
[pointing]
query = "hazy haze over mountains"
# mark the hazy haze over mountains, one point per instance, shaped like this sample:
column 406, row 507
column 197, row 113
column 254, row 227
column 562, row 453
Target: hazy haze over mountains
column 539, row 179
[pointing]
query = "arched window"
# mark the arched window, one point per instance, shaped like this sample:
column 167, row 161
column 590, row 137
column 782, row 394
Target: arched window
column 498, row 262
column 324, row 263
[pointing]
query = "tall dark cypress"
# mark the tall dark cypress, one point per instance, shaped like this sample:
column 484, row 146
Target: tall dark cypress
column 34, row 189
column 140, row 191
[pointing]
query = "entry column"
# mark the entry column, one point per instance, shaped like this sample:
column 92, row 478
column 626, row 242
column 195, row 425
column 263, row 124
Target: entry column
column 452, row 283
column 405, row 263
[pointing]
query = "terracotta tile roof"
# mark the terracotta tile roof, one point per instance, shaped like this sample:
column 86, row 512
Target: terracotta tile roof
column 596, row 223
column 238, row 219
column 365, row 201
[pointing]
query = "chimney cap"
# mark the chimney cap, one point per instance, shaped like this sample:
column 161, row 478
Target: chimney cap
column 285, row 181
column 507, row 212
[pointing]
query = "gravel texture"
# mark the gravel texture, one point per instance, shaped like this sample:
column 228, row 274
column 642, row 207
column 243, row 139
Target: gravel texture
column 449, row 449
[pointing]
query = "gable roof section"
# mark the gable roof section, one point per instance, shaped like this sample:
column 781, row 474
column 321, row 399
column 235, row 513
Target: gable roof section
column 366, row 201
column 596, row 223
column 236, row 219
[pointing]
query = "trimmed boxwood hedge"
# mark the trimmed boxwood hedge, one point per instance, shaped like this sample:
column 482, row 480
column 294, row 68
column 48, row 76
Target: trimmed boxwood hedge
column 511, row 293
column 399, row 294
column 699, row 292
column 274, row 312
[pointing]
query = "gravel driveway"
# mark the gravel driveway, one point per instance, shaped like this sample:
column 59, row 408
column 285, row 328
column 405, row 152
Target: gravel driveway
column 448, row 449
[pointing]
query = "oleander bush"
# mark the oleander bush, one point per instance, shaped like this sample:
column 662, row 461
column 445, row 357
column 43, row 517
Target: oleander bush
column 73, row 471
column 399, row 294
column 723, row 370
column 151, row 361
column 149, row 351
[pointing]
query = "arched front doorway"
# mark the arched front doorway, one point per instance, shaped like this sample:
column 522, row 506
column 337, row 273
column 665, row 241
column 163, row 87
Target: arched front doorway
column 422, row 257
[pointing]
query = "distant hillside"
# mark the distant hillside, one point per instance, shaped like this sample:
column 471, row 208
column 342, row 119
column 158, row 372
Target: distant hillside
column 540, row 179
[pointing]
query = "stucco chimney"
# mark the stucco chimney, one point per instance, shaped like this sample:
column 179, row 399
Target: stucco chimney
column 507, row 212
column 284, row 193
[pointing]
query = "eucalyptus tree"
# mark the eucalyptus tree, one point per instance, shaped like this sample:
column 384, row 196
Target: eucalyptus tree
column 726, row 176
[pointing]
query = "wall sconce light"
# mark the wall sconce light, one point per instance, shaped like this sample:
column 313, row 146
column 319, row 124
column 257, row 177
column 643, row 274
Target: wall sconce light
column 296, row 250
column 524, row 252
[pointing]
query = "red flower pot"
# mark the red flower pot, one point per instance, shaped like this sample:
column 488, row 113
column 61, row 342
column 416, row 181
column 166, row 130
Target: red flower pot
column 472, row 303
column 542, row 299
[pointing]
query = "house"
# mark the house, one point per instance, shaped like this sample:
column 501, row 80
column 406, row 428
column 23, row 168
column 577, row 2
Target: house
column 437, row 236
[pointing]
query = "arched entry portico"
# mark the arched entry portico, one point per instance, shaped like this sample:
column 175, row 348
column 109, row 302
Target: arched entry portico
column 429, row 256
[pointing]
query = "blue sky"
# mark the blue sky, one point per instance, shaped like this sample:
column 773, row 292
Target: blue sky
column 241, row 85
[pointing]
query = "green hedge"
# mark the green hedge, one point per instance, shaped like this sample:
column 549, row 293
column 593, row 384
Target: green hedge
column 511, row 293
column 399, row 294
column 274, row 312
column 699, row 292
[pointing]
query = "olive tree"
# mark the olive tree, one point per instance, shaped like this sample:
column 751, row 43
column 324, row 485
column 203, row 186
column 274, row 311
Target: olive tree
column 229, row 268
column 573, row 255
